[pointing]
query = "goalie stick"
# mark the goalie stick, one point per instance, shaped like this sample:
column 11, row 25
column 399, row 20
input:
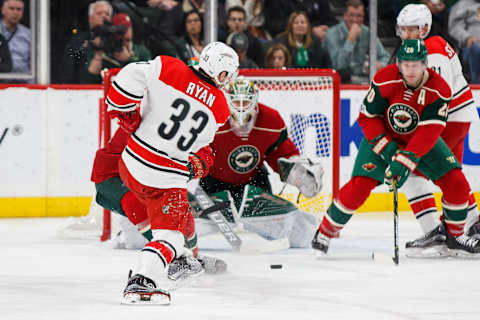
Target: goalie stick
column 258, row 243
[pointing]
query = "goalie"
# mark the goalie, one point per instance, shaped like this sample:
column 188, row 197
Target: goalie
column 255, row 134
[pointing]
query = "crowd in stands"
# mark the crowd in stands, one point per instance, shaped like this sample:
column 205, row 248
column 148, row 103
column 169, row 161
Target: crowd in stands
column 265, row 34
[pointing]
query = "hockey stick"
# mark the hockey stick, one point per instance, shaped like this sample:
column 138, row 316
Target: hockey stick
column 395, row 223
column 258, row 245
column 213, row 213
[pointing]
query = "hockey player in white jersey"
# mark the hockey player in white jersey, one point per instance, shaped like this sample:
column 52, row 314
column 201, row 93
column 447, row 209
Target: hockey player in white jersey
column 182, row 107
column 413, row 22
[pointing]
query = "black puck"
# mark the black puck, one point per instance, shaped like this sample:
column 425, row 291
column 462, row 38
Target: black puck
column 276, row 266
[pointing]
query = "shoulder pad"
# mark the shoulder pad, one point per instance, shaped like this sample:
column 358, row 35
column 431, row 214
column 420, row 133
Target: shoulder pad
column 436, row 83
column 269, row 118
column 438, row 45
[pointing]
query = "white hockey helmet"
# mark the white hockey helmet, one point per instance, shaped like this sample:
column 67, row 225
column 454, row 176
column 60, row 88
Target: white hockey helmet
column 242, row 97
column 216, row 58
column 415, row 15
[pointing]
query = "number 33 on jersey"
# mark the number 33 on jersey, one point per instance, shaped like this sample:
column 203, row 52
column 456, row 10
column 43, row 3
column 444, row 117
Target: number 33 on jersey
column 181, row 111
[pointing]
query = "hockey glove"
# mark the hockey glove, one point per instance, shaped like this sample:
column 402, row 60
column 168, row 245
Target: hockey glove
column 303, row 174
column 384, row 147
column 404, row 162
column 200, row 162
column 127, row 121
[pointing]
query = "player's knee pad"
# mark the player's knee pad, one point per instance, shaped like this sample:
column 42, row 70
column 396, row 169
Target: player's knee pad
column 416, row 186
column 454, row 186
column 135, row 210
column 170, row 210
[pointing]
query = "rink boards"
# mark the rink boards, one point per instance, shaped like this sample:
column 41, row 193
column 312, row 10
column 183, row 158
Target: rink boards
column 49, row 135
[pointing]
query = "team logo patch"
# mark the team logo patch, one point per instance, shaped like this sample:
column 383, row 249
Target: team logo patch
column 244, row 159
column 402, row 118
column 368, row 167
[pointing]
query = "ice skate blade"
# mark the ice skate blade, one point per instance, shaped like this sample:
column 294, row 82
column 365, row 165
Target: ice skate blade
column 146, row 299
column 184, row 281
column 437, row 252
column 318, row 254
column 460, row 254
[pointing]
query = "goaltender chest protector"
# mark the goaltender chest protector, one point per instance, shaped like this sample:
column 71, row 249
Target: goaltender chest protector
column 238, row 159
column 405, row 109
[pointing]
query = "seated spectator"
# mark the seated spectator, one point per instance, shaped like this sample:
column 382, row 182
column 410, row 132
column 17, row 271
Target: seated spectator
column 348, row 45
column 17, row 36
column 319, row 14
column 190, row 45
column 78, row 54
column 239, row 42
column 236, row 22
column 278, row 57
column 255, row 16
column 464, row 25
column 306, row 50
column 5, row 57
column 199, row 5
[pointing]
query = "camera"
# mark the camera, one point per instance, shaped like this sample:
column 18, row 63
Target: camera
column 111, row 37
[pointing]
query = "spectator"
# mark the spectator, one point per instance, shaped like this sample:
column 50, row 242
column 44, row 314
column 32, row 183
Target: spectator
column 191, row 44
column 199, row 5
column 17, row 36
column 239, row 42
column 278, row 56
column 5, row 57
column 319, row 14
column 348, row 44
column 78, row 54
column 255, row 16
column 236, row 22
column 306, row 50
column 464, row 24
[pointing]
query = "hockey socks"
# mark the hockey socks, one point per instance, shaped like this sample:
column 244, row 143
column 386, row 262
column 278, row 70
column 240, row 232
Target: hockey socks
column 425, row 211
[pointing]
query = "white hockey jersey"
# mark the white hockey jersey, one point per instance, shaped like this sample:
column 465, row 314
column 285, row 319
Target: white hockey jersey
column 443, row 59
column 181, row 111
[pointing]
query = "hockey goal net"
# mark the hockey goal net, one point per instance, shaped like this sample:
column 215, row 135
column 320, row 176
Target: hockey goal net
column 309, row 102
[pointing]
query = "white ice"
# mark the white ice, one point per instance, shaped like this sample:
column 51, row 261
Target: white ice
column 43, row 277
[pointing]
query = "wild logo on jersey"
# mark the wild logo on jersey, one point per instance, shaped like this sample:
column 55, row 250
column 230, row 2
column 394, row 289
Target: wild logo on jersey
column 244, row 158
column 402, row 118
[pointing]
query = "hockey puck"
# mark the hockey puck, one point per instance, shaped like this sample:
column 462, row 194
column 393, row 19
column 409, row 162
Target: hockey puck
column 276, row 266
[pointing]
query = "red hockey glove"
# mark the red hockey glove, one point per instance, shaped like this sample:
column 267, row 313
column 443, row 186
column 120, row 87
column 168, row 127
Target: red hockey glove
column 404, row 162
column 128, row 121
column 200, row 163
column 384, row 147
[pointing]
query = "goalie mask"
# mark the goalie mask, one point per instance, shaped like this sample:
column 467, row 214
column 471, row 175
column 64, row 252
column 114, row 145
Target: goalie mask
column 242, row 97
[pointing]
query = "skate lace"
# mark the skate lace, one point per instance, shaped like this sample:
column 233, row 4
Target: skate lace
column 467, row 241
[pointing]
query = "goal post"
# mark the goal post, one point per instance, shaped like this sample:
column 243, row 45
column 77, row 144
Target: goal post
column 309, row 102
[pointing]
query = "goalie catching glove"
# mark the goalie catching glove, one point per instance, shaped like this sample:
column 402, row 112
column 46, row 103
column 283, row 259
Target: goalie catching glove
column 404, row 162
column 303, row 174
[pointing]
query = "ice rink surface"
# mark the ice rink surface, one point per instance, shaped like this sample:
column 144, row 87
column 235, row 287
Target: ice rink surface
column 43, row 277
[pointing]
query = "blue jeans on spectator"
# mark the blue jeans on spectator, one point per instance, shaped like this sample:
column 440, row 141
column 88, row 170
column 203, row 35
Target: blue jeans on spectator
column 472, row 57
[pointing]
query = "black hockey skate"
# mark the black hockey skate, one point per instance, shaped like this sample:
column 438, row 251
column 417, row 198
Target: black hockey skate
column 432, row 245
column 320, row 242
column 474, row 230
column 142, row 290
column 463, row 246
